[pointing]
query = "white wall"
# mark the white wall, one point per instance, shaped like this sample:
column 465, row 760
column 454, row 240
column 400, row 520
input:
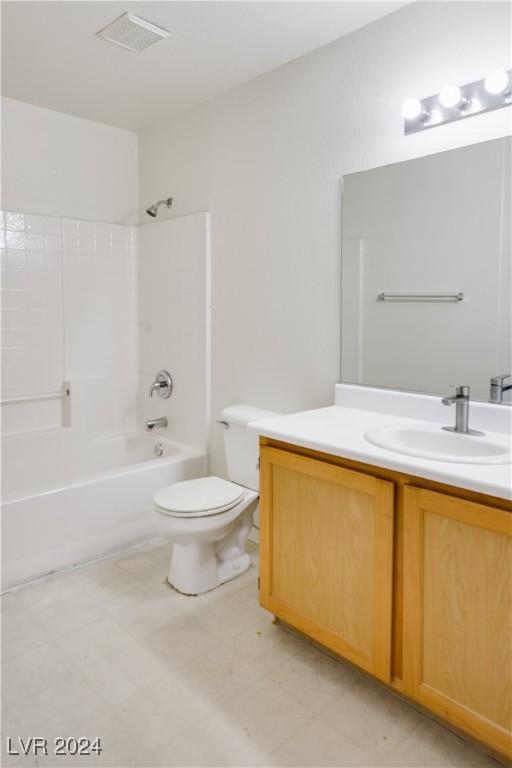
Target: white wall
column 174, row 323
column 59, row 165
column 68, row 269
column 267, row 158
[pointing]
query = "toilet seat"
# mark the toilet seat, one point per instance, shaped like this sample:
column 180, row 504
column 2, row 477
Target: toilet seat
column 198, row 498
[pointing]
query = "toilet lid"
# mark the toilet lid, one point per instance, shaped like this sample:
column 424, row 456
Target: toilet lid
column 200, row 496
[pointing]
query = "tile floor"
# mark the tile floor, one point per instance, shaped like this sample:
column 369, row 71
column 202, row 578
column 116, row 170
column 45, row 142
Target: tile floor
column 109, row 650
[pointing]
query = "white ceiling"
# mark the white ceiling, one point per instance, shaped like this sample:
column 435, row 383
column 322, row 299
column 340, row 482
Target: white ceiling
column 51, row 57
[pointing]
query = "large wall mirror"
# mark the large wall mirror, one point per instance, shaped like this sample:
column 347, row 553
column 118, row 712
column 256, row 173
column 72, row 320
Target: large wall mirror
column 426, row 272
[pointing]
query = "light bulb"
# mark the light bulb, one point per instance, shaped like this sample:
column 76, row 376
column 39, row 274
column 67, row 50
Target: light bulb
column 497, row 82
column 451, row 96
column 412, row 109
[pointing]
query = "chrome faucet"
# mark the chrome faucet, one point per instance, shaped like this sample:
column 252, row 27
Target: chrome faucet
column 160, row 423
column 162, row 385
column 498, row 388
column 461, row 402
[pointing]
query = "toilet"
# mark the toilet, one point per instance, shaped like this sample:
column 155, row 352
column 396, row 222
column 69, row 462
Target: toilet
column 209, row 519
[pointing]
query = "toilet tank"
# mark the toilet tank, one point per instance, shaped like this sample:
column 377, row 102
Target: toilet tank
column 242, row 445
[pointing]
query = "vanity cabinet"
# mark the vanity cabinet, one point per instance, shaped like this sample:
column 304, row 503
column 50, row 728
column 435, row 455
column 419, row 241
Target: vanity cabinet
column 408, row 579
column 458, row 612
column 327, row 555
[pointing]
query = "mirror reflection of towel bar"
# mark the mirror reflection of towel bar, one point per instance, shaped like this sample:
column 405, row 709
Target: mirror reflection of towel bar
column 442, row 297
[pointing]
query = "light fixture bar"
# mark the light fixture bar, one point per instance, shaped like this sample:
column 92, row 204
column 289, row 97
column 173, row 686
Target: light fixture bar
column 475, row 98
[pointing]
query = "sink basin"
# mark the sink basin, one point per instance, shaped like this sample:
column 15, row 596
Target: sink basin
column 432, row 442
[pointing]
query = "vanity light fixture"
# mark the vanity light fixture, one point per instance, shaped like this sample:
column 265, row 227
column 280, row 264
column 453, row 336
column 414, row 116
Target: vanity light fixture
column 412, row 109
column 455, row 102
column 498, row 82
column 451, row 97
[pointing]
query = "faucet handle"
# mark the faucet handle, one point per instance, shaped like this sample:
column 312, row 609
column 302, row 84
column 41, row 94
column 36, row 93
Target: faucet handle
column 461, row 390
column 461, row 393
column 162, row 384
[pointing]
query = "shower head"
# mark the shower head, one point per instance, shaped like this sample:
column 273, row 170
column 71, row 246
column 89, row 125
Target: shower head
column 153, row 209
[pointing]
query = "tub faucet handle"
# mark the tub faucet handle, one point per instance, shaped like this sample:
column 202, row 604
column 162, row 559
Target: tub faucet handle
column 162, row 384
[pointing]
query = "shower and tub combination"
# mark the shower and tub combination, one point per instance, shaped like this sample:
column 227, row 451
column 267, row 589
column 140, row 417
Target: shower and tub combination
column 69, row 498
column 79, row 473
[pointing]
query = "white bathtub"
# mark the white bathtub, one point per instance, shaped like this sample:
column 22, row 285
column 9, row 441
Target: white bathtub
column 68, row 498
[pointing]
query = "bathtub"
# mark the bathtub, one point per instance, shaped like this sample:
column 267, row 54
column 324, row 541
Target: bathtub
column 67, row 498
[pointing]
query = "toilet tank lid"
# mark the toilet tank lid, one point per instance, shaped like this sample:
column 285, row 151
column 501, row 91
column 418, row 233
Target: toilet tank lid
column 242, row 415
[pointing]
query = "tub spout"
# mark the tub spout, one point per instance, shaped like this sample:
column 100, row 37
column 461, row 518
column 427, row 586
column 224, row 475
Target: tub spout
column 150, row 424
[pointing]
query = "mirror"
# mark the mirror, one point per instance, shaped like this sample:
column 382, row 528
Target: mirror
column 426, row 272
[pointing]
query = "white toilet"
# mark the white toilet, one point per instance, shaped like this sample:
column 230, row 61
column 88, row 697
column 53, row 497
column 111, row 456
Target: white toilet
column 209, row 519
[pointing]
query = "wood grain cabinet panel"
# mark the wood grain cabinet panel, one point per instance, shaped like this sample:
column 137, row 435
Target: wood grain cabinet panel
column 436, row 605
column 457, row 655
column 327, row 555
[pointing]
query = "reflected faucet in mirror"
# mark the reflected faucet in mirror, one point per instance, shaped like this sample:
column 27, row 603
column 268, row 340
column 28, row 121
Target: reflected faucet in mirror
column 498, row 387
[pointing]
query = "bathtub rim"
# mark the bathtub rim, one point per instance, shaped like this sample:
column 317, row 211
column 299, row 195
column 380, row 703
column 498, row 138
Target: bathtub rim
column 184, row 452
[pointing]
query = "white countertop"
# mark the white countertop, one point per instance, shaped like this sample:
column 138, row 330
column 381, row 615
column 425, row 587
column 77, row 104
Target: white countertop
column 339, row 430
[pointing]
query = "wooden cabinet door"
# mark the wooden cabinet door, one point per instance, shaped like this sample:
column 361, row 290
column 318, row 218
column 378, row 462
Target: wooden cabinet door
column 326, row 552
column 458, row 613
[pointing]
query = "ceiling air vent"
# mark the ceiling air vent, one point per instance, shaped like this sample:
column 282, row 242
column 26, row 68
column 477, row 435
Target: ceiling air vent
column 132, row 32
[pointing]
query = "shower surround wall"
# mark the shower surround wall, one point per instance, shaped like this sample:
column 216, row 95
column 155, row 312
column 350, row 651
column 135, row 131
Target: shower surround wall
column 32, row 319
column 68, row 277
column 69, row 310
column 100, row 323
column 174, row 323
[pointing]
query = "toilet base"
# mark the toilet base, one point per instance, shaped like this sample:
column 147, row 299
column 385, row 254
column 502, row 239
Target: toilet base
column 233, row 568
column 196, row 569
column 208, row 550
